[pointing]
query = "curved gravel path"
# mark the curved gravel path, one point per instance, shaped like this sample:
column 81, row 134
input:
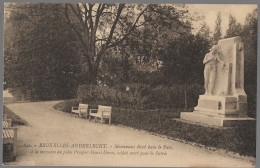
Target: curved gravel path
column 56, row 138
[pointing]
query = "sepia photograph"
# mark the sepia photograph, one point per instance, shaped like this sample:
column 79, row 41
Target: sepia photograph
column 129, row 84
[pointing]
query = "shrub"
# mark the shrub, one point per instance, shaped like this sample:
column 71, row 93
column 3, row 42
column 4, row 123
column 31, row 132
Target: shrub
column 143, row 119
column 172, row 97
column 111, row 96
column 250, row 90
column 141, row 96
column 241, row 140
column 66, row 105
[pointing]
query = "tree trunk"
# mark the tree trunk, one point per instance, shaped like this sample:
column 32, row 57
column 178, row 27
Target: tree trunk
column 93, row 72
column 185, row 98
column 93, row 79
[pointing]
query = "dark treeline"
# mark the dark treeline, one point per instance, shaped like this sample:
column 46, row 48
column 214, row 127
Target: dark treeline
column 41, row 55
column 145, row 51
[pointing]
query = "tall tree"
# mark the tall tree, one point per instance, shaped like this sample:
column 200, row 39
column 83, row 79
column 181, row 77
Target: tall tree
column 40, row 52
column 217, row 31
column 100, row 27
column 234, row 28
column 182, row 61
column 162, row 24
column 204, row 31
column 249, row 38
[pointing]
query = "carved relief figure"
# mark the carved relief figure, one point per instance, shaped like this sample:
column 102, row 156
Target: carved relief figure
column 211, row 60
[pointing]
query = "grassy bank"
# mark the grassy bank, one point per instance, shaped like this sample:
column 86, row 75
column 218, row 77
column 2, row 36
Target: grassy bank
column 16, row 120
column 239, row 140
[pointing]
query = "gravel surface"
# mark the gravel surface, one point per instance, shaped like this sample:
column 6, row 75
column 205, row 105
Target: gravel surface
column 56, row 138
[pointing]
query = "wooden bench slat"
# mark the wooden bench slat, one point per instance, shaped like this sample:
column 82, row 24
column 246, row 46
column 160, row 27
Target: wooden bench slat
column 12, row 133
column 8, row 134
column 5, row 124
column 9, row 123
column 4, row 134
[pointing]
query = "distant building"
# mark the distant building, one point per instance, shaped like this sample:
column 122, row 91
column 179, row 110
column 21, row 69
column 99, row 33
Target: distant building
column 7, row 96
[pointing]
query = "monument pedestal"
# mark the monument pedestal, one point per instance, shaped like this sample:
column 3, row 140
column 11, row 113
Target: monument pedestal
column 221, row 111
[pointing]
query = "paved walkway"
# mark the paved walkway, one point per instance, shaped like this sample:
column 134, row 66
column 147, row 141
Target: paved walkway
column 57, row 138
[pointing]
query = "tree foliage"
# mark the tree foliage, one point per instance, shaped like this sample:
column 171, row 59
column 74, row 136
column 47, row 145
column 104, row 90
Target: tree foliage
column 141, row 50
column 234, row 28
column 40, row 55
column 183, row 59
column 162, row 24
column 249, row 38
column 99, row 27
column 217, row 31
column 204, row 32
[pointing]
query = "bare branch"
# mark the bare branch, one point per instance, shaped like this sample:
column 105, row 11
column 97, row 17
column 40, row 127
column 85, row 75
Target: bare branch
column 120, row 8
column 76, row 13
column 130, row 30
column 103, row 39
column 86, row 20
column 104, row 47
column 85, row 7
column 100, row 10
column 90, row 17
column 78, row 34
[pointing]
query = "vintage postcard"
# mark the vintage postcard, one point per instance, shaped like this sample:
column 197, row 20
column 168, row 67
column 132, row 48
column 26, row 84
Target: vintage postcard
column 129, row 85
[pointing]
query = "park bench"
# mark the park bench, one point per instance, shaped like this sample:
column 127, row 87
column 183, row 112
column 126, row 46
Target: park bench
column 103, row 112
column 80, row 110
column 9, row 140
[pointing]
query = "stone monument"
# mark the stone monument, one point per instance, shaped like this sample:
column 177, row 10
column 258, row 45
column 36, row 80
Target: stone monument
column 224, row 103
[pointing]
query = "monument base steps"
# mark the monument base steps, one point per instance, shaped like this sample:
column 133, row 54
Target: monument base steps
column 214, row 120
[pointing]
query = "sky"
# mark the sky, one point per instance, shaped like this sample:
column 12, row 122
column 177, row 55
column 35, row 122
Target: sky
column 210, row 11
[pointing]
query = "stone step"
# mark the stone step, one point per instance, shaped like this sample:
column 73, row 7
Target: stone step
column 216, row 120
column 212, row 111
column 217, row 114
